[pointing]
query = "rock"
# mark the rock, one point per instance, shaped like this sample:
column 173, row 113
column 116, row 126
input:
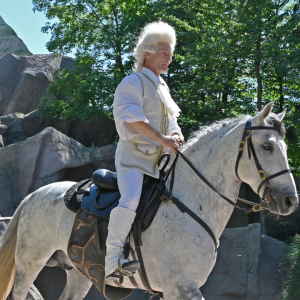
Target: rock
column 42, row 159
column 3, row 129
column 10, row 42
column 24, row 80
column 247, row 266
column 99, row 132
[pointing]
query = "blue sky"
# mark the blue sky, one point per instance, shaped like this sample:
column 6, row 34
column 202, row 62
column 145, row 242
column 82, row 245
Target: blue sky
column 19, row 15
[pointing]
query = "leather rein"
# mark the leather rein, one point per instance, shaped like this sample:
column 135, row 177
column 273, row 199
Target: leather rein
column 267, row 197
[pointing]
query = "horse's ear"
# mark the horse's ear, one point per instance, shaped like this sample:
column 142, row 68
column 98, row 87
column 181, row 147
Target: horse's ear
column 281, row 115
column 259, row 119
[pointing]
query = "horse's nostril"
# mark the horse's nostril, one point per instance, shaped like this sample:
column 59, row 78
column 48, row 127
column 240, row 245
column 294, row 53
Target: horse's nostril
column 289, row 201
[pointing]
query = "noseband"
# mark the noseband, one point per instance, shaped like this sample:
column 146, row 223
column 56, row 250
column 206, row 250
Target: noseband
column 246, row 139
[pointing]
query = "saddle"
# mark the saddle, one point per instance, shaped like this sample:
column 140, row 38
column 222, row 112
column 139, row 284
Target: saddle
column 92, row 200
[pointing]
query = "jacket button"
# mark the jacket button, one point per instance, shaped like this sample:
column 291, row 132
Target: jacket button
column 147, row 151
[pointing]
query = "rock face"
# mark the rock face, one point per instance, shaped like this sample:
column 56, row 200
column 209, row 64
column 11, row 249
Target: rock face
column 247, row 266
column 42, row 159
column 24, row 80
column 18, row 127
column 10, row 42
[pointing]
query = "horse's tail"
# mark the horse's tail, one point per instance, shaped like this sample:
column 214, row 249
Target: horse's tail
column 7, row 254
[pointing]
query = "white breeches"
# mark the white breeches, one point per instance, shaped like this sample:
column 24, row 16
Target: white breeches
column 130, row 185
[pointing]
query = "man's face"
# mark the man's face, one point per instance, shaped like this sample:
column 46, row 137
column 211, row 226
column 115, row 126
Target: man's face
column 159, row 62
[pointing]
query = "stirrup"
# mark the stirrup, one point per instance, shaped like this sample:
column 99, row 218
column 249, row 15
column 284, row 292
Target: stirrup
column 127, row 269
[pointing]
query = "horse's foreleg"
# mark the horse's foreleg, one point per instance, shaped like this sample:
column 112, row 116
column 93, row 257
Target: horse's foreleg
column 77, row 286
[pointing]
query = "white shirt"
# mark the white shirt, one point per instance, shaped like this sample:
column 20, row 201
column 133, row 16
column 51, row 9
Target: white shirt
column 128, row 105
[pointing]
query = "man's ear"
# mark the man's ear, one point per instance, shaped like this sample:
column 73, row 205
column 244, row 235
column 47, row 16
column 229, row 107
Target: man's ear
column 147, row 54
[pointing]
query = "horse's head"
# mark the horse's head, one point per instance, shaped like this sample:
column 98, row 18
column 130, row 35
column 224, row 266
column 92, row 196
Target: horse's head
column 278, row 192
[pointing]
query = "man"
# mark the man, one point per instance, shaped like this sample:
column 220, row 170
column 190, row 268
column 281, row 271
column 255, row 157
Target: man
column 146, row 121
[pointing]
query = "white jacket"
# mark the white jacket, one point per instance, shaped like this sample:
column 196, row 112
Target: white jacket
column 131, row 104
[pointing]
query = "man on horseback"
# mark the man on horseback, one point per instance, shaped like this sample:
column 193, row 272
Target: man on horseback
column 146, row 121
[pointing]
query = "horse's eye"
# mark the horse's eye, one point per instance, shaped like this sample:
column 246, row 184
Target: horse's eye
column 267, row 146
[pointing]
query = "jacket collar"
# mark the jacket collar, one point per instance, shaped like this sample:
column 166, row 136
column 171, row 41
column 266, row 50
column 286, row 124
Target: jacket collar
column 151, row 75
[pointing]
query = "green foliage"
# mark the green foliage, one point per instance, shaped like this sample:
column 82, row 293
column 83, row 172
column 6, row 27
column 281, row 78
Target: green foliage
column 18, row 114
column 291, row 267
column 232, row 57
column 283, row 231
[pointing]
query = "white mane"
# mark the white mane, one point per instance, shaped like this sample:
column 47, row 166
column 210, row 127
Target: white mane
column 207, row 134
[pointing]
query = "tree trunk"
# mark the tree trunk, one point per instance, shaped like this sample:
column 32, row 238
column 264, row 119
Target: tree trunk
column 281, row 99
column 203, row 97
column 257, row 72
column 224, row 97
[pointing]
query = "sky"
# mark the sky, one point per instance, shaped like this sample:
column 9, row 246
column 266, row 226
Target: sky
column 19, row 15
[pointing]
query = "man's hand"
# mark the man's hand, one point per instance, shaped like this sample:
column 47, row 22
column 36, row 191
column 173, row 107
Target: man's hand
column 171, row 142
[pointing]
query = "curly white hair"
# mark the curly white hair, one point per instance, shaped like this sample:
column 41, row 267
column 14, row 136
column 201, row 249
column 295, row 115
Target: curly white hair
column 151, row 35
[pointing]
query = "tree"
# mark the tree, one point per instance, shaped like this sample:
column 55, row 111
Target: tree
column 101, row 34
column 231, row 58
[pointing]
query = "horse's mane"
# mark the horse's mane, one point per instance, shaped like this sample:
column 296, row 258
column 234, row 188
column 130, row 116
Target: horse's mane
column 204, row 131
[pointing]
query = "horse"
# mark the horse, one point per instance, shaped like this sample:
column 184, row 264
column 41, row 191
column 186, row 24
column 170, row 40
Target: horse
column 178, row 253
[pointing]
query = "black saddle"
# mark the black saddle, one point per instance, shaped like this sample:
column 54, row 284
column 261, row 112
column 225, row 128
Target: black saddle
column 107, row 180
column 103, row 194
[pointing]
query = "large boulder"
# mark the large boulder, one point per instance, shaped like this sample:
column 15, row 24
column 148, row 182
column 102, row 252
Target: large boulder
column 247, row 267
column 18, row 127
column 10, row 42
column 42, row 159
column 24, row 80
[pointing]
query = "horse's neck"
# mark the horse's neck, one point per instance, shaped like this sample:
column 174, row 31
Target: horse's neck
column 215, row 157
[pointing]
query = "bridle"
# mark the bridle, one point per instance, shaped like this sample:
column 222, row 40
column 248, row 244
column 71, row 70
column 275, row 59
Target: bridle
column 267, row 197
column 247, row 139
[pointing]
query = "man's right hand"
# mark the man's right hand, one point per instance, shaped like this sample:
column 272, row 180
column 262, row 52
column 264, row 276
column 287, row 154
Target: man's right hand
column 172, row 142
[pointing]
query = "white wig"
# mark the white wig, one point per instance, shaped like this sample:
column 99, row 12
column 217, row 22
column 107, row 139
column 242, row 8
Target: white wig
column 152, row 34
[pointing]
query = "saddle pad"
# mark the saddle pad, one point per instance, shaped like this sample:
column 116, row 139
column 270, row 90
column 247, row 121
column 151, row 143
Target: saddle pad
column 100, row 202
column 87, row 250
column 73, row 200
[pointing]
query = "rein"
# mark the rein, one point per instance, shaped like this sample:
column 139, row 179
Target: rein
column 246, row 138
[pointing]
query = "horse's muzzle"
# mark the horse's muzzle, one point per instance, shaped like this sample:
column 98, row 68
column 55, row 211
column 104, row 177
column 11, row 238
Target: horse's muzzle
column 283, row 203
